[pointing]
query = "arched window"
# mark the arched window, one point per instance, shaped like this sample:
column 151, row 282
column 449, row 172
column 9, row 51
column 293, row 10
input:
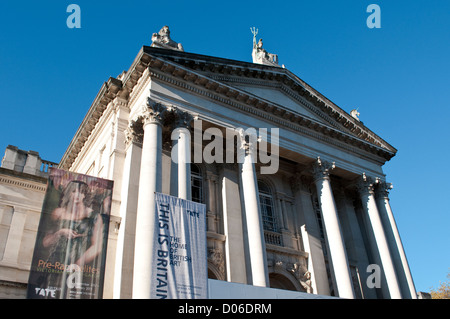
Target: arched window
column 267, row 207
column 196, row 184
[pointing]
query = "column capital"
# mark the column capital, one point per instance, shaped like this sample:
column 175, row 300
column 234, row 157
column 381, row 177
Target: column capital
column 134, row 132
column 322, row 169
column 383, row 188
column 183, row 119
column 153, row 112
column 366, row 184
column 247, row 141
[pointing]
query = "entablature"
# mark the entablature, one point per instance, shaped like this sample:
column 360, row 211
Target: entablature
column 210, row 77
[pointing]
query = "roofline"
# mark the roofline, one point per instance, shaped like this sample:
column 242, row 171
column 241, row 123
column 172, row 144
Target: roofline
column 146, row 57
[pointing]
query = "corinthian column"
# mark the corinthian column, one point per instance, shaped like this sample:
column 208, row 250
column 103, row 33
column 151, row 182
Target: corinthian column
column 150, row 181
column 255, row 233
column 322, row 170
column 395, row 243
column 181, row 153
column 366, row 190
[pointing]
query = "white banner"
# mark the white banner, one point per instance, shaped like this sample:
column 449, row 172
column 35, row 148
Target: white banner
column 179, row 257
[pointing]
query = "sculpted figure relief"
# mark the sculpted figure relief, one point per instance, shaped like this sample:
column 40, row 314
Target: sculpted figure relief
column 303, row 275
column 162, row 40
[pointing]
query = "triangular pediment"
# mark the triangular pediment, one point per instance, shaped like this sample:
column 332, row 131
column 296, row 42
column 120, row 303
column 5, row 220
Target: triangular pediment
column 276, row 96
column 273, row 89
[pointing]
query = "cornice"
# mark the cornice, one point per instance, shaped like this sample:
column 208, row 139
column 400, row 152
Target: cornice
column 107, row 93
column 111, row 89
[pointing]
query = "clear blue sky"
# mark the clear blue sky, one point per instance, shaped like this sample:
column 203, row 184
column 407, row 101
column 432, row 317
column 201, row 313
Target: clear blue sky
column 398, row 77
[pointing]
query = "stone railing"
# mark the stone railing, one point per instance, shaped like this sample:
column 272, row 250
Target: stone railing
column 273, row 238
column 45, row 165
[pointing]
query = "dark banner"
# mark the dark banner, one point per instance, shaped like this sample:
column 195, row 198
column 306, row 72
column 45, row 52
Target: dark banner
column 70, row 251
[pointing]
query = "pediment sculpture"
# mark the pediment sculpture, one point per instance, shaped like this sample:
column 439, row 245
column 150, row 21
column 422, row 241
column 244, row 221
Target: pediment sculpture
column 162, row 40
column 259, row 54
column 355, row 114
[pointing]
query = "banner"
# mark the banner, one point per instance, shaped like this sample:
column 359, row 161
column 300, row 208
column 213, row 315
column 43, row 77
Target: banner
column 70, row 251
column 179, row 257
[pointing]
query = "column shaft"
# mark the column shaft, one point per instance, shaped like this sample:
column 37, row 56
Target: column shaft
column 332, row 229
column 368, row 200
column 181, row 154
column 255, row 233
column 150, row 181
column 184, row 163
column 395, row 243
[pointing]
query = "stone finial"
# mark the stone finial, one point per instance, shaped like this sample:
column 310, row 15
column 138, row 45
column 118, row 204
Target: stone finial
column 162, row 40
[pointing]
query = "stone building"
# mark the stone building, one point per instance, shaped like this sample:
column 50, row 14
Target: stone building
column 23, row 179
column 294, row 186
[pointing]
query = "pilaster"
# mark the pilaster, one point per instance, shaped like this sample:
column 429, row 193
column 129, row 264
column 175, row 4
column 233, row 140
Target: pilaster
column 124, row 264
column 310, row 232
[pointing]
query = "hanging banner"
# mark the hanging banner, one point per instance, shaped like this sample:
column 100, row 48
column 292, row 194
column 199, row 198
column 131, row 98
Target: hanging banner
column 179, row 257
column 70, row 251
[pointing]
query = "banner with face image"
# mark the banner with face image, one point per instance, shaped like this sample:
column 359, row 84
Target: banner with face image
column 70, row 250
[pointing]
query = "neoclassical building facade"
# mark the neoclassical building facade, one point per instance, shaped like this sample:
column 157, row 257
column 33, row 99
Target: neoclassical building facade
column 319, row 223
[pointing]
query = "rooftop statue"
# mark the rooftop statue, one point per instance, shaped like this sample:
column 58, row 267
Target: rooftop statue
column 355, row 114
column 162, row 40
column 259, row 54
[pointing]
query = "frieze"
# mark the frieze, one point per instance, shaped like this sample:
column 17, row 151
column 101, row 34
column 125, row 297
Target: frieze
column 22, row 184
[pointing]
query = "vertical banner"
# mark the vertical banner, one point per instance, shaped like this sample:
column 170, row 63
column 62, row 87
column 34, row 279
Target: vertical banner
column 179, row 257
column 70, row 251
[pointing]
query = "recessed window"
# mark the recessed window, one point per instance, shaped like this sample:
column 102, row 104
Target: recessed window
column 267, row 207
column 196, row 184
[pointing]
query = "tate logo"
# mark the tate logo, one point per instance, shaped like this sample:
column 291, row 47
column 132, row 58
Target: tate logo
column 45, row 292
